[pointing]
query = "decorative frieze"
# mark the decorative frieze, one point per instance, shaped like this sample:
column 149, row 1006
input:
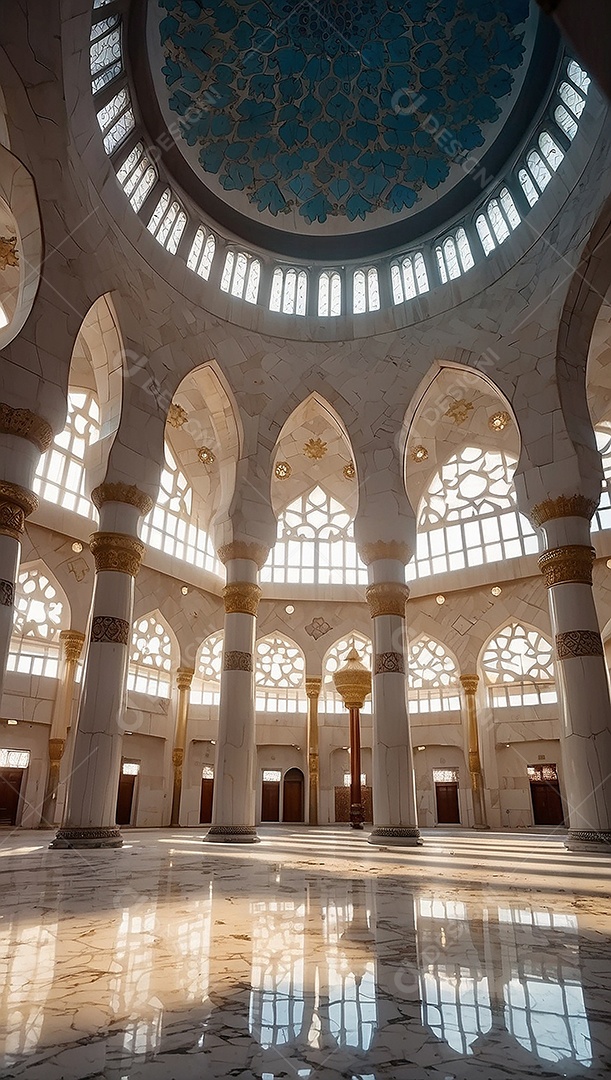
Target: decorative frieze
column 72, row 642
column 396, row 550
column 572, row 562
column 243, row 549
column 117, row 551
column 26, row 425
column 107, row 628
column 117, row 491
column 241, row 597
column 578, row 643
column 388, row 662
column 387, row 598
column 563, row 506
column 7, row 593
column 234, row 660
column 16, row 504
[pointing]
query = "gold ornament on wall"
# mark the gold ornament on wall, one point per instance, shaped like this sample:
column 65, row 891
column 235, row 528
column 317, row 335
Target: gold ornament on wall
column 282, row 470
column 459, row 410
column 315, row 449
column 9, row 256
column 419, row 453
column 499, row 421
column 349, row 471
column 206, row 455
column 177, row 416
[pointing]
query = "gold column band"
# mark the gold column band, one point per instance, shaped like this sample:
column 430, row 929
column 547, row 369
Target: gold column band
column 122, row 493
column 387, row 598
column 386, row 549
column 116, row 551
column 572, row 562
column 16, row 504
column 241, row 597
column 563, row 506
column 243, row 549
column 26, row 425
column 184, row 678
column 72, row 641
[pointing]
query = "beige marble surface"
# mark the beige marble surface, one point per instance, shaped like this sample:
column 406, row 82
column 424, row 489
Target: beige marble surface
column 310, row 955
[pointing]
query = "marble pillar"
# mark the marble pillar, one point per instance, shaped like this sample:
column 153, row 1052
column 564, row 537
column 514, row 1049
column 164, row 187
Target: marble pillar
column 89, row 818
column 469, row 685
column 395, row 819
column 581, row 677
column 184, row 678
column 24, row 436
column 313, row 686
column 233, row 803
column 71, row 642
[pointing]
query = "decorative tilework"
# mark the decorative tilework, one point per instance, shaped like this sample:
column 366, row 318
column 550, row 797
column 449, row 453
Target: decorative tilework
column 233, row 660
column 7, row 593
column 578, row 643
column 388, row 661
column 108, row 628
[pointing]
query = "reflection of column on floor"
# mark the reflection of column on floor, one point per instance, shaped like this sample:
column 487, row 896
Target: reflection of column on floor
column 71, row 644
column 184, row 678
column 313, row 686
column 469, row 685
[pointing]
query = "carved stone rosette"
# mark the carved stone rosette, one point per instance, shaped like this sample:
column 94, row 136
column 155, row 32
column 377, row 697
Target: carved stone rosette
column 122, row 493
column 572, row 562
column 469, row 683
column 563, row 506
column 241, row 597
column 16, row 504
column 117, row 551
column 387, row 598
column 234, row 660
column 396, row 550
column 72, row 641
column 184, row 678
column 243, row 549
column 26, row 425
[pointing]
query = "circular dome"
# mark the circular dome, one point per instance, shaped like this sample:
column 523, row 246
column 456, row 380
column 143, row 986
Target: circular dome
column 366, row 121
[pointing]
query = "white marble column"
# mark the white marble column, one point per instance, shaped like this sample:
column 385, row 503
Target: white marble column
column 89, row 818
column 395, row 819
column 184, row 678
column 72, row 642
column 469, row 685
column 581, row 677
column 313, row 686
column 233, row 803
column 24, row 436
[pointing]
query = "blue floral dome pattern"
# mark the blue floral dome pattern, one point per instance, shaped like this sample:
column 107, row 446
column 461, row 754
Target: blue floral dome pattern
column 324, row 110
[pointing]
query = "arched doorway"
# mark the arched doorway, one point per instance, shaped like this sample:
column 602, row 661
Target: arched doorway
column 292, row 802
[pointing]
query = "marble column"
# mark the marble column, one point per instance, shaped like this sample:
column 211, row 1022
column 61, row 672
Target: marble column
column 313, row 686
column 233, row 803
column 89, row 819
column 24, row 436
column 72, row 642
column 581, row 677
column 469, row 684
column 184, row 678
column 395, row 819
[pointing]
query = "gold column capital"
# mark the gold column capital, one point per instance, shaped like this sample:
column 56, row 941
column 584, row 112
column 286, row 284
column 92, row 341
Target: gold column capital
column 387, row 598
column 386, row 549
column 313, row 686
column 72, row 641
column 117, row 491
column 563, row 506
column 184, row 678
column 469, row 683
column 56, row 749
column 16, row 504
column 117, row 551
column 26, row 425
column 241, row 597
column 572, row 562
column 243, row 549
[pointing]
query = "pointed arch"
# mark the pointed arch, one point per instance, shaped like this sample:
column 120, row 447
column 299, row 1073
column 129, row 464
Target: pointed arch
column 433, row 676
column 154, row 655
column 279, row 674
column 41, row 612
column 206, row 685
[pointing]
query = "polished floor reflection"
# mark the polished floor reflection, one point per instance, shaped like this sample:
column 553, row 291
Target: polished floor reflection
column 312, row 955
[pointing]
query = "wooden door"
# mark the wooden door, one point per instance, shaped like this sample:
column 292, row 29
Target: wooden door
column 270, row 800
column 292, row 804
column 205, row 806
column 10, row 786
column 447, row 804
column 125, row 798
column 547, row 802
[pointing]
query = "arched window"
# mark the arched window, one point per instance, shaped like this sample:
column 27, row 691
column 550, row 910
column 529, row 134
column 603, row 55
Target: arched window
column 329, row 293
column 279, row 675
column 105, row 60
column 37, row 622
column 602, row 517
column 171, row 526
column 206, row 685
column 137, row 175
column 550, row 150
column 468, row 515
column 409, row 278
column 454, row 256
column 432, row 678
column 60, row 477
column 538, row 170
column 528, row 186
column 331, row 701
column 168, row 222
column 578, row 76
column 365, row 291
column 518, row 667
column 241, row 276
column 150, row 659
column 202, row 253
column 289, row 291
column 116, row 120
column 315, row 544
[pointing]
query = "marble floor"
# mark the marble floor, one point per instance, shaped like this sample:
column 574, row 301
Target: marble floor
column 310, row 956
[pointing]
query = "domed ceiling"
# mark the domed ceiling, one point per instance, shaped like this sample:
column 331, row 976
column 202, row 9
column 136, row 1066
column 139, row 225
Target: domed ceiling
column 342, row 117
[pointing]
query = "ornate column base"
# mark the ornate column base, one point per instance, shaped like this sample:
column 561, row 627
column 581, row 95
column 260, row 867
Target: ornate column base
column 580, row 840
column 232, row 834
column 384, row 836
column 88, row 838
